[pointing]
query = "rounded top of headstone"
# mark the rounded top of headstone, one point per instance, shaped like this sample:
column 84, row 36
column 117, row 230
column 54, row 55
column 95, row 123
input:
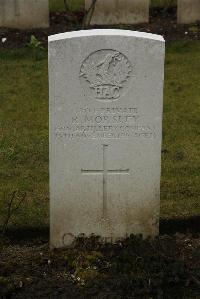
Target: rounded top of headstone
column 105, row 32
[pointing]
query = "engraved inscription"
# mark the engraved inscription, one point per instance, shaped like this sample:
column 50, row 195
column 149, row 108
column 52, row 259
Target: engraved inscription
column 105, row 172
column 105, row 74
column 105, row 123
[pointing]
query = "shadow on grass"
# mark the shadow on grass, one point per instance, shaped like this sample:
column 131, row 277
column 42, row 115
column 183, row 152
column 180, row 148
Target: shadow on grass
column 180, row 225
column 167, row 226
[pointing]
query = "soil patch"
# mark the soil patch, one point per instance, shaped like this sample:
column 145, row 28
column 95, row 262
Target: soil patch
column 161, row 22
column 167, row 267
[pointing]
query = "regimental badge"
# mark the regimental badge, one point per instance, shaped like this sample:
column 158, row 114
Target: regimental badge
column 105, row 74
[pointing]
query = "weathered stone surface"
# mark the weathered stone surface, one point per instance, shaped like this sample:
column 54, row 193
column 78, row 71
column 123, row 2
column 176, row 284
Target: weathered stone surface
column 188, row 11
column 106, row 94
column 119, row 11
column 24, row 14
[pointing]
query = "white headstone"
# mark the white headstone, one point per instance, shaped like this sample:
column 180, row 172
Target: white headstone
column 119, row 11
column 106, row 97
column 24, row 14
column 188, row 11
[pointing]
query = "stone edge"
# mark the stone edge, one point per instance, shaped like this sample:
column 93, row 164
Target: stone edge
column 105, row 32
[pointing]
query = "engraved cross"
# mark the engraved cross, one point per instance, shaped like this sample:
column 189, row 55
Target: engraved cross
column 105, row 172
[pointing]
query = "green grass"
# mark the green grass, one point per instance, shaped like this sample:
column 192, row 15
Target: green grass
column 24, row 133
column 181, row 144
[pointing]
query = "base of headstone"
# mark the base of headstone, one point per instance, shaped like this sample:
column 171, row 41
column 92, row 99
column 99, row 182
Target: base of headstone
column 24, row 14
column 188, row 11
column 119, row 12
